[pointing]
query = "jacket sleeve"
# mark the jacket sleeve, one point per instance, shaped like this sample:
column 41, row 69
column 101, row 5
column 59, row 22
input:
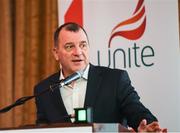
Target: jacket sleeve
column 129, row 103
column 41, row 116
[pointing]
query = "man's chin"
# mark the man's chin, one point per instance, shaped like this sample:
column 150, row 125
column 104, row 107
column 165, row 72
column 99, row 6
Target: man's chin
column 79, row 68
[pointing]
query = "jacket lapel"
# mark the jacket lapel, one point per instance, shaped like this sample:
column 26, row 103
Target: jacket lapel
column 93, row 86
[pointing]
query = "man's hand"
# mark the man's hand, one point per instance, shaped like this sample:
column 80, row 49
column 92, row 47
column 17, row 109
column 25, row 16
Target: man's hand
column 152, row 127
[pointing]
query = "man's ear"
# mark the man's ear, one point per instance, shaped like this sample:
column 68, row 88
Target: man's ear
column 55, row 53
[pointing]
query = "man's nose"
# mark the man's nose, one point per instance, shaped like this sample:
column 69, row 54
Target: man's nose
column 77, row 51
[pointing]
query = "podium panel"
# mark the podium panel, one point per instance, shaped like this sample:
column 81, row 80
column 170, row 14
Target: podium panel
column 68, row 127
column 87, row 129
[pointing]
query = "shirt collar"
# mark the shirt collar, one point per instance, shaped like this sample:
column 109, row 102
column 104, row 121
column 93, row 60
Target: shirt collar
column 84, row 76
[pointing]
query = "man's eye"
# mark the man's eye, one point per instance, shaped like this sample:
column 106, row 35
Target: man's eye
column 83, row 45
column 69, row 47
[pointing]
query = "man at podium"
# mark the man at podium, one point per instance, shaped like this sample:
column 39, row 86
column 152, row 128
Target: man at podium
column 107, row 91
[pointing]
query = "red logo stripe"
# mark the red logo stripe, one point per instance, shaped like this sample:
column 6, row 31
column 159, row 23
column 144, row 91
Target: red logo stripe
column 131, row 34
column 140, row 2
column 134, row 33
column 75, row 12
column 131, row 20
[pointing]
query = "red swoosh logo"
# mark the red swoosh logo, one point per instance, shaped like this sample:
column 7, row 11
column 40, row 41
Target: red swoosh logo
column 132, row 34
column 75, row 12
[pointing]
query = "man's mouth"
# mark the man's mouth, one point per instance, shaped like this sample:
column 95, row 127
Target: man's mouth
column 78, row 60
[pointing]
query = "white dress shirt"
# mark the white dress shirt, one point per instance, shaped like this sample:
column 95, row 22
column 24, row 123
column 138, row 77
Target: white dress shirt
column 74, row 96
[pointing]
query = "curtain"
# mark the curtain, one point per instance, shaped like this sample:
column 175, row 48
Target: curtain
column 26, row 40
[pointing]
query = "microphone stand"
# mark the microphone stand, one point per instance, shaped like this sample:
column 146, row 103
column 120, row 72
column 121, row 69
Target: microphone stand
column 22, row 100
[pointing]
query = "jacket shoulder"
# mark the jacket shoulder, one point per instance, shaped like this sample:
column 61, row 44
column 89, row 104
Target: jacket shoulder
column 45, row 83
column 109, row 70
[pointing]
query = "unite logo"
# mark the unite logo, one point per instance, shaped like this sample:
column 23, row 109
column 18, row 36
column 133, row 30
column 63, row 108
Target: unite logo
column 132, row 34
column 133, row 56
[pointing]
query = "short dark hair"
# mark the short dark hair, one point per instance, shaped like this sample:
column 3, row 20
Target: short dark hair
column 70, row 26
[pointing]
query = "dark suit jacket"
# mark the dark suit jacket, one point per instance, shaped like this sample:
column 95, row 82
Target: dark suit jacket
column 109, row 93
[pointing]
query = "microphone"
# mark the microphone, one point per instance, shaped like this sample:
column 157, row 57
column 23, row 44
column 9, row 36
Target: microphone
column 72, row 77
column 63, row 82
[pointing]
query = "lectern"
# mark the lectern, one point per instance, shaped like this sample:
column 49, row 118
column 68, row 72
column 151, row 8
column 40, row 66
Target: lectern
column 68, row 127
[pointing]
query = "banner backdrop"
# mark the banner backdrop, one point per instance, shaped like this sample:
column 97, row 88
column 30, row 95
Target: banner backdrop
column 140, row 36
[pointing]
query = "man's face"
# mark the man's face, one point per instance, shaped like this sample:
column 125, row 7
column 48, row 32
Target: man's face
column 72, row 51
